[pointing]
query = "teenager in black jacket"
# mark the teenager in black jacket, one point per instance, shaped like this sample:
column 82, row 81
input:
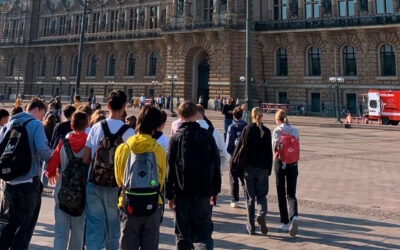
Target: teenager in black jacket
column 257, row 150
column 193, row 180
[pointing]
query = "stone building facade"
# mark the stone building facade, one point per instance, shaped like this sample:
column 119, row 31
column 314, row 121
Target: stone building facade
column 135, row 44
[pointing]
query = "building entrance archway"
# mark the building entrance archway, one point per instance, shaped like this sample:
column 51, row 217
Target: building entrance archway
column 201, row 77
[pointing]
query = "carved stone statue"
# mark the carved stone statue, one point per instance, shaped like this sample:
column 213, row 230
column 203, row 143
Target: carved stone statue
column 294, row 8
column 327, row 6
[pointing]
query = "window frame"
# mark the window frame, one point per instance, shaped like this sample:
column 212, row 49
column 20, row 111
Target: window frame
column 92, row 66
column 152, row 64
column 42, row 67
column 11, row 66
column 347, row 57
column 279, row 70
column 347, row 4
column 111, row 63
column 131, row 64
column 208, row 10
column 280, row 7
column 315, row 5
column 311, row 56
column 154, row 16
column 58, row 66
column 383, row 54
column 387, row 6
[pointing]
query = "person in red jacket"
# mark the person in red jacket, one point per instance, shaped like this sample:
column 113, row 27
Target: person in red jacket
column 69, row 230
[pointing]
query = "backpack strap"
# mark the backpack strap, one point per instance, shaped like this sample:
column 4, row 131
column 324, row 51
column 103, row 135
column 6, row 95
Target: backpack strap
column 68, row 150
column 26, row 122
column 106, row 129
column 122, row 130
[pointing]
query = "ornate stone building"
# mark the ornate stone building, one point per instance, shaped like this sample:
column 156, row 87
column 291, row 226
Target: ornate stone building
column 135, row 44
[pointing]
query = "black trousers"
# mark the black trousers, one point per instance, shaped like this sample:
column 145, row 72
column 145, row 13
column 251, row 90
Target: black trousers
column 19, row 212
column 286, row 182
column 234, row 177
column 193, row 223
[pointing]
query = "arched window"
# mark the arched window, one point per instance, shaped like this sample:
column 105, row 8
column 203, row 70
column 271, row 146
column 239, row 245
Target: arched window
column 388, row 60
column 281, row 62
column 208, row 10
column 152, row 64
column 74, row 65
column 384, row 6
column 131, row 64
column 111, row 65
column 42, row 69
column 349, row 61
column 314, row 62
column 10, row 66
column 58, row 66
column 92, row 65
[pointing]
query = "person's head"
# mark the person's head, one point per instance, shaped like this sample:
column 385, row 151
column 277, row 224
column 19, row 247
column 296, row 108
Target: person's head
column 16, row 110
column 188, row 111
column 244, row 107
column 229, row 100
column 97, row 116
column 281, row 117
column 256, row 115
column 52, row 106
column 117, row 101
column 68, row 112
column 87, row 110
column 50, row 122
column 149, row 120
column 79, row 121
column 131, row 121
column 200, row 112
column 4, row 115
column 77, row 98
column 37, row 108
column 164, row 117
column 237, row 113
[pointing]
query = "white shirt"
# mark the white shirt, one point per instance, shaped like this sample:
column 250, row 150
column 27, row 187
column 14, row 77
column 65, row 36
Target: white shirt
column 142, row 99
column 219, row 140
column 96, row 133
column 164, row 142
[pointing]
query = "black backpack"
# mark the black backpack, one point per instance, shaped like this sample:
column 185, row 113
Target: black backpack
column 72, row 194
column 15, row 153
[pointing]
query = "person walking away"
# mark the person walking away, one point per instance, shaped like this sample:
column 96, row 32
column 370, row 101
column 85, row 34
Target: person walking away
column 69, row 230
column 141, row 212
column 215, row 104
column 207, row 125
column 221, row 103
column 232, row 140
column 53, row 111
column 159, row 135
column 286, row 173
column 48, row 125
column 176, row 125
column 142, row 101
column 227, row 111
column 97, row 116
column 246, row 114
column 77, row 101
column 193, row 181
column 255, row 146
column 89, row 112
column 160, row 102
column 62, row 129
column 131, row 121
column 21, row 200
column 178, row 102
column 102, row 191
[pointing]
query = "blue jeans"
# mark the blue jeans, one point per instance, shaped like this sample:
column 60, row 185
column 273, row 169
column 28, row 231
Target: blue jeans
column 102, row 217
column 227, row 122
column 69, row 230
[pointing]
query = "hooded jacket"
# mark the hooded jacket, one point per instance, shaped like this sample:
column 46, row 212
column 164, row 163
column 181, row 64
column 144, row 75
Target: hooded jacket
column 40, row 151
column 139, row 144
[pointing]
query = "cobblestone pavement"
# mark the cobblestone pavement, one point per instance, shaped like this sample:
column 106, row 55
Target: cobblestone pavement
column 348, row 191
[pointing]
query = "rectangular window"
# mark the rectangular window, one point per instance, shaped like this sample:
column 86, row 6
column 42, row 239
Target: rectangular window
column 62, row 25
column 114, row 21
column 14, row 32
column 280, row 9
column 46, row 26
column 312, row 8
column 346, row 8
column 78, row 23
column 282, row 98
column 208, row 10
column 95, row 22
column 384, row 6
column 154, row 17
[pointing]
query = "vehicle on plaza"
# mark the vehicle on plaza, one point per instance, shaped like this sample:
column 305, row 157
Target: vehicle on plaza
column 384, row 106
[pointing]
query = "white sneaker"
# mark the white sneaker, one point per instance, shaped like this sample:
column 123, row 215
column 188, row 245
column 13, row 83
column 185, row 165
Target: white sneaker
column 294, row 226
column 283, row 228
column 234, row 204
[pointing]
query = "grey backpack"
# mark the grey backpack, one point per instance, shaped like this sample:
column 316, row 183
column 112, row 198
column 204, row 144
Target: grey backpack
column 141, row 187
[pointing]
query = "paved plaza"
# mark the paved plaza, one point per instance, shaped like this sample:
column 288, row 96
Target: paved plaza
column 348, row 191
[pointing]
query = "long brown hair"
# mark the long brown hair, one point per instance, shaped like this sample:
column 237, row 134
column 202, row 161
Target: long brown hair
column 281, row 115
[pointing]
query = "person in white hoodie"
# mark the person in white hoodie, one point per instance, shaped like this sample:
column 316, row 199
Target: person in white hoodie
column 219, row 140
column 286, row 177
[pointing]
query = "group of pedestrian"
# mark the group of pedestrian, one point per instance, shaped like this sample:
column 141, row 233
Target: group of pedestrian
column 113, row 176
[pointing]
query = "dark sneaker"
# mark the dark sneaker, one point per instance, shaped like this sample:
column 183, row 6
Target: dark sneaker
column 250, row 232
column 263, row 225
column 294, row 226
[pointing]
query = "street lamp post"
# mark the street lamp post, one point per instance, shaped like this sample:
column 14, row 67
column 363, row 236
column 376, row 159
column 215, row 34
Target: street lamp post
column 248, row 54
column 81, row 41
column 336, row 83
column 155, row 83
column 172, row 79
column 18, row 79
column 60, row 80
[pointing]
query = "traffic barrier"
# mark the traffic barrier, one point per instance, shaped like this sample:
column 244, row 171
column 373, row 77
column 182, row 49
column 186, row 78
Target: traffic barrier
column 349, row 119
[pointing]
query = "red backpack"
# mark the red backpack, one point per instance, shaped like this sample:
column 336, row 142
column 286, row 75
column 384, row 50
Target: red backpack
column 288, row 149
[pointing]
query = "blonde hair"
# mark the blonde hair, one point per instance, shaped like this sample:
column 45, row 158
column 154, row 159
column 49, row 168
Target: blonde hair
column 281, row 115
column 257, row 114
column 97, row 116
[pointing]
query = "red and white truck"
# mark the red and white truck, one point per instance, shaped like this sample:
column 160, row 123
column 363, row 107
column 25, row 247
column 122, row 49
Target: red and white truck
column 384, row 105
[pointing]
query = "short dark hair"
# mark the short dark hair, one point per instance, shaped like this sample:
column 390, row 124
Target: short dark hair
column 86, row 109
column 131, row 121
column 187, row 109
column 4, row 113
column 77, row 97
column 117, row 99
column 79, row 121
column 149, row 120
column 238, row 113
column 164, row 117
column 36, row 103
column 68, row 111
column 16, row 110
